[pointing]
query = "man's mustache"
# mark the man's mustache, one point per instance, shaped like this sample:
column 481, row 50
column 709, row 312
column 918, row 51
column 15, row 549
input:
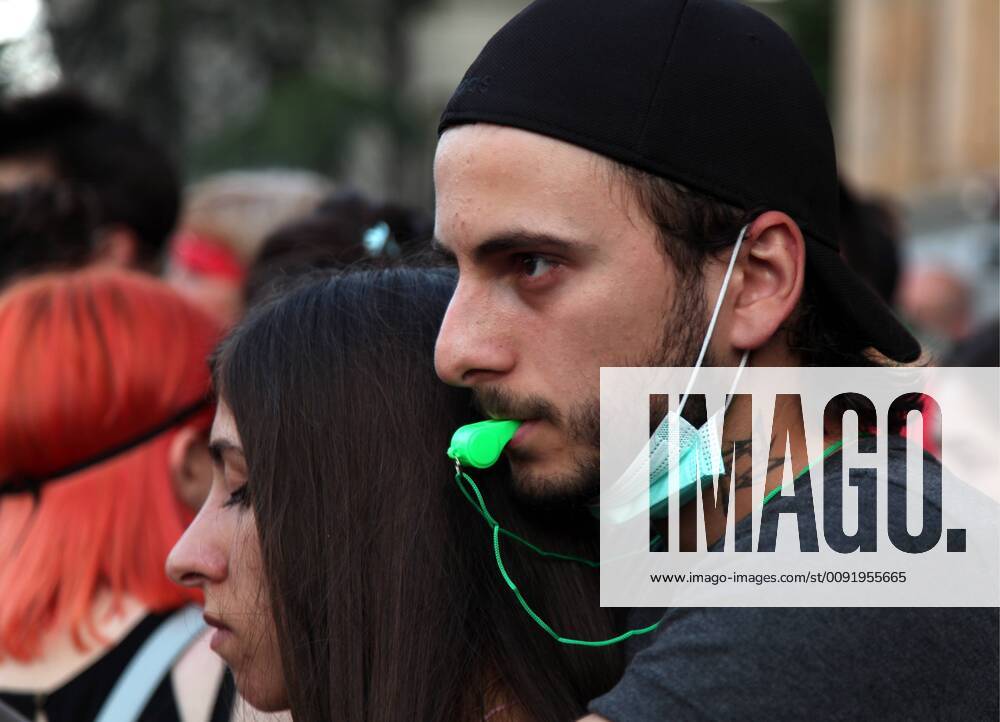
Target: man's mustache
column 497, row 403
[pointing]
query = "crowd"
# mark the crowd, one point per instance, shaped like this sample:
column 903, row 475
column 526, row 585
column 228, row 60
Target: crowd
column 230, row 405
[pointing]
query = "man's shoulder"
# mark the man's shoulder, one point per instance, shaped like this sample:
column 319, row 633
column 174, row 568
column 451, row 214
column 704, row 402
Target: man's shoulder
column 785, row 663
column 894, row 448
column 712, row 663
column 830, row 470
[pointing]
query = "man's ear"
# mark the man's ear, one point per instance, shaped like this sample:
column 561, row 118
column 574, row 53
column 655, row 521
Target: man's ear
column 116, row 247
column 190, row 466
column 772, row 273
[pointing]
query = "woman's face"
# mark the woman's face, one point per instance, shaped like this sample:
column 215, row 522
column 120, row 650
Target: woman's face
column 220, row 552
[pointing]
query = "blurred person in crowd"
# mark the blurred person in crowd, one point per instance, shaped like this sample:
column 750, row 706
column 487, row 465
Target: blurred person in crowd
column 61, row 135
column 347, row 576
column 971, row 447
column 654, row 184
column 347, row 229
column 981, row 348
column 869, row 240
column 104, row 413
column 46, row 227
column 225, row 219
column 937, row 301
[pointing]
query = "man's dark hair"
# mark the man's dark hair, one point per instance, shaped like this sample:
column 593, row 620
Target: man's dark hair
column 45, row 227
column 132, row 179
column 694, row 226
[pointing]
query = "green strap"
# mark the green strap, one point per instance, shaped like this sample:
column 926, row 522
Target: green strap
column 480, row 506
column 462, row 480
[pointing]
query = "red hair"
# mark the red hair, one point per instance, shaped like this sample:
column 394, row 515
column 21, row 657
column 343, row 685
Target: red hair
column 92, row 359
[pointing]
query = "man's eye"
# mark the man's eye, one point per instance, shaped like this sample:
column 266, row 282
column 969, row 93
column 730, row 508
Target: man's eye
column 536, row 266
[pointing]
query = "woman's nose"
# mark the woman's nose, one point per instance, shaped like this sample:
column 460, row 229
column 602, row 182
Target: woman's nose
column 197, row 558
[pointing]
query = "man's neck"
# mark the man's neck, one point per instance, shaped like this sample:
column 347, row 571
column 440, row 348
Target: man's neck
column 736, row 486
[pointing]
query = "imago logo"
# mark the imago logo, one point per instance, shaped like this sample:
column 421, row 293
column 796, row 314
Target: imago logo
column 801, row 474
column 786, row 445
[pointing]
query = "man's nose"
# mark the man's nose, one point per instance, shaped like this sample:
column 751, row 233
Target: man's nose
column 196, row 558
column 474, row 344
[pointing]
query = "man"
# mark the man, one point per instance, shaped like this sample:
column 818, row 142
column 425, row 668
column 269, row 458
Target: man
column 61, row 138
column 595, row 169
column 940, row 304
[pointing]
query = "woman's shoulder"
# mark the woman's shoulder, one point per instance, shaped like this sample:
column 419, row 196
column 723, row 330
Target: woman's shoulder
column 66, row 653
column 67, row 682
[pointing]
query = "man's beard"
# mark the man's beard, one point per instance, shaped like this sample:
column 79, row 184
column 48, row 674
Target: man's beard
column 578, row 486
column 576, row 490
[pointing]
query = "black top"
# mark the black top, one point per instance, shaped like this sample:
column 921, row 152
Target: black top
column 811, row 663
column 82, row 697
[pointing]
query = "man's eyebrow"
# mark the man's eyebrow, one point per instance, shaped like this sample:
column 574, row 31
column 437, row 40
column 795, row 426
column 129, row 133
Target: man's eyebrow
column 218, row 447
column 523, row 241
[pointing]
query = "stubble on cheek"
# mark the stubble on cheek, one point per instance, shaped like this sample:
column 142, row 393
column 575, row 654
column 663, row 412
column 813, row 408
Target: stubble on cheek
column 576, row 481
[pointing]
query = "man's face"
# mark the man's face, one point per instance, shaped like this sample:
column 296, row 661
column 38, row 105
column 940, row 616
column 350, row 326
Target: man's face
column 560, row 273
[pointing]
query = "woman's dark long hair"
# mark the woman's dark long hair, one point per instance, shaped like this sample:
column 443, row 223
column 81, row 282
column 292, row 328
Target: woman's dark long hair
column 385, row 592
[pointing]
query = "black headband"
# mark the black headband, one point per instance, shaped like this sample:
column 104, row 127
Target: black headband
column 33, row 484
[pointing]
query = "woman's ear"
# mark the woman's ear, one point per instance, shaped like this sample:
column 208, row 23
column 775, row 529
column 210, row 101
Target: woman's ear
column 190, row 466
column 771, row 276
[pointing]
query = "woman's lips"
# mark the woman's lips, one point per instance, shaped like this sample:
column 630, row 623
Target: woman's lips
column 213, row 621
column 219, row 638
column 222, row 631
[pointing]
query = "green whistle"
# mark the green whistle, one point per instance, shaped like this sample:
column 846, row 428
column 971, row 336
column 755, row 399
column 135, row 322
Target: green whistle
column 480, row 444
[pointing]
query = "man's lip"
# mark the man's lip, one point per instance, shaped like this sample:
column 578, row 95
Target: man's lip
column 214, row 621
column 522, row 431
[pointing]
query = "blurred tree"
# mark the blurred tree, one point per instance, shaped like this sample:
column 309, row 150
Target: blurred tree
column 5, row 75
column 811, row 23
column 304, row 121
column 229, row 83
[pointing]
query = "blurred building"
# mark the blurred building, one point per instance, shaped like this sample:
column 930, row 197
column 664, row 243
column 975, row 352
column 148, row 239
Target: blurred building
column 918, row 118
column 917, row 91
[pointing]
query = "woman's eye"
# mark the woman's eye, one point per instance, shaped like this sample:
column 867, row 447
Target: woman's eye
column 536, row 266
column 239, row 497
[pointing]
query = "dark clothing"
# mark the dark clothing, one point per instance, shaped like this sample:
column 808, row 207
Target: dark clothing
column 81, row 698
column 812, row 663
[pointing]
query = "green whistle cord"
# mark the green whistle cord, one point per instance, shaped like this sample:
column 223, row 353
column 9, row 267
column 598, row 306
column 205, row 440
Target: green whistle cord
column 480, row 506
column 463, row 480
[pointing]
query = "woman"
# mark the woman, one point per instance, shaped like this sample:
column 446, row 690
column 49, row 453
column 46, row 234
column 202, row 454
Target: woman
column 225, row 220
column 103, row 459
column 346, row 230
column 348, row 577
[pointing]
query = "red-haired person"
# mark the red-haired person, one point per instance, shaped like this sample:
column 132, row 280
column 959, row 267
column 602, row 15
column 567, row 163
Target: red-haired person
column 104, row 411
